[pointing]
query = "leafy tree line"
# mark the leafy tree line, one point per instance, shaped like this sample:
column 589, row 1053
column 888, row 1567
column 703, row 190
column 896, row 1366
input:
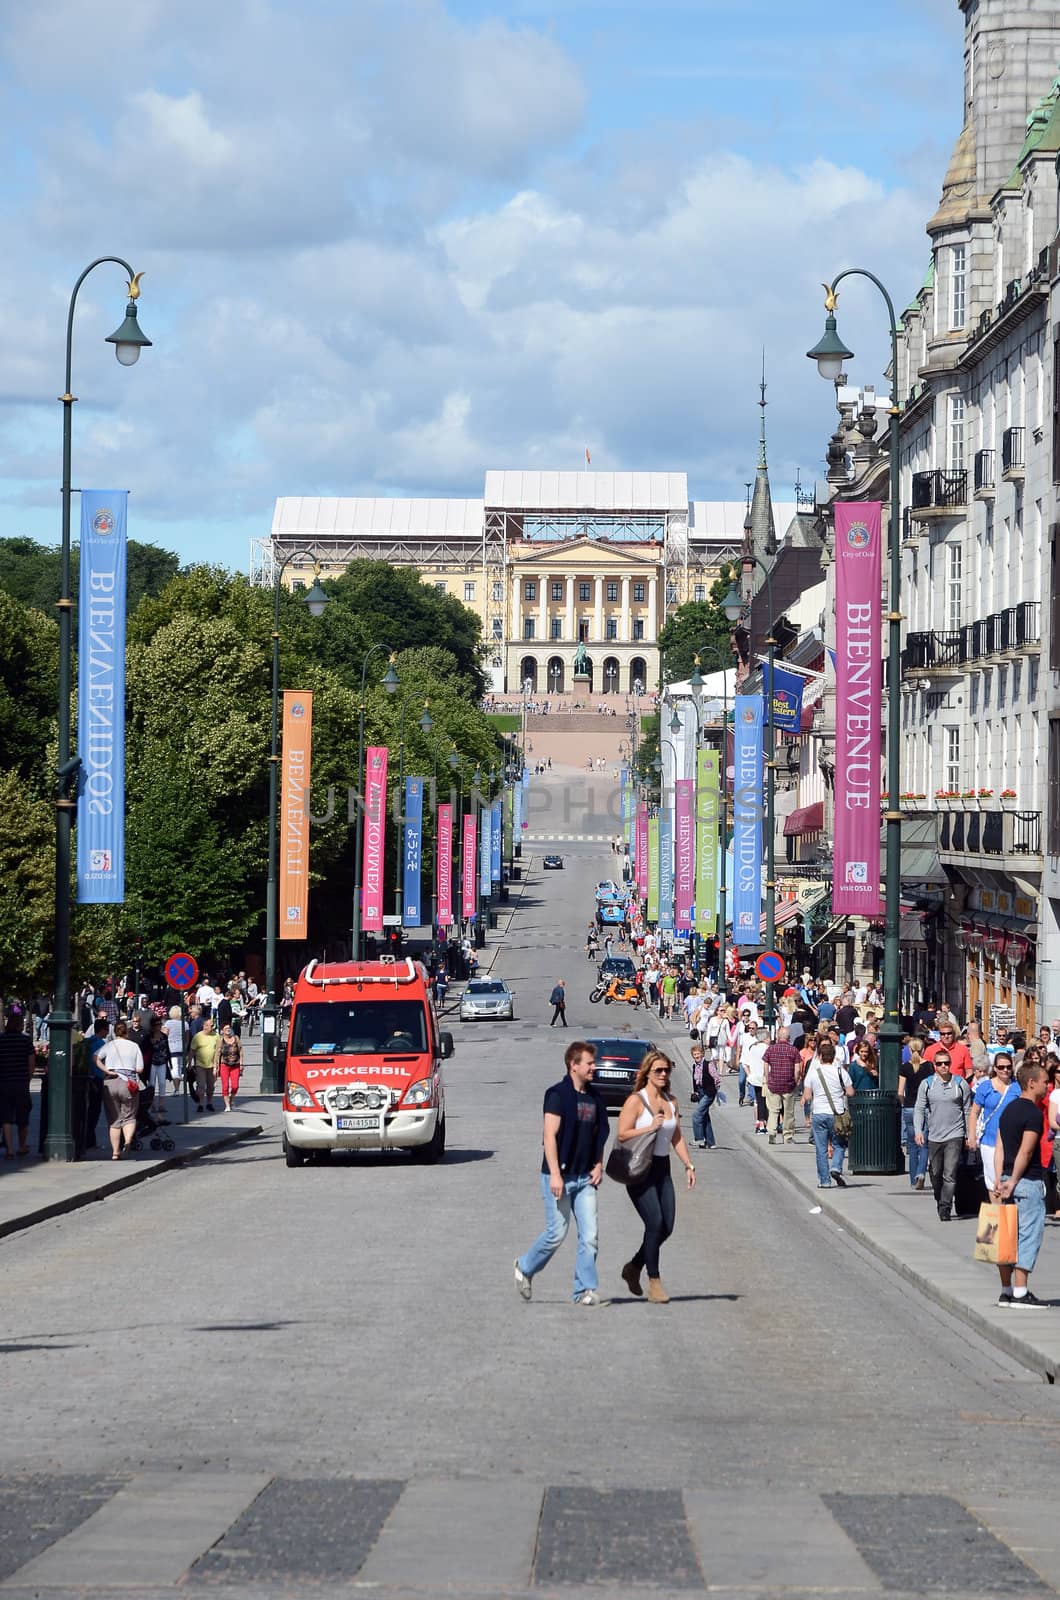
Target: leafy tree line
column 198, row 703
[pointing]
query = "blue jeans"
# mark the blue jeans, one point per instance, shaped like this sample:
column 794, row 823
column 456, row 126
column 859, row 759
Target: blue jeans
column 1029, row 1195
column 578, row 1197
column 916, row 1154
column 747, row 1090
column 823, row 1129
column 702, row 1127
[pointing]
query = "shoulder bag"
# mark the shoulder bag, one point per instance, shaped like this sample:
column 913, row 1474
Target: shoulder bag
column 630, row 1161
column 844, row 1122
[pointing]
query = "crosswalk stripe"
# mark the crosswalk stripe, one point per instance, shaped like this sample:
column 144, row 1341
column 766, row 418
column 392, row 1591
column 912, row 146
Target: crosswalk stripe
column 148, row 1534
column 458, row 1535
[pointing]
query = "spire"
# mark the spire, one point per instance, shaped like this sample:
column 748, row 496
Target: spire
column 763, row 528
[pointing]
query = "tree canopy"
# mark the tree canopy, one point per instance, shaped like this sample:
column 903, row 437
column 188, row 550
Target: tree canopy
column 699, row 627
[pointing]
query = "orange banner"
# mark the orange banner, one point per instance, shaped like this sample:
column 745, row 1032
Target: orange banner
column 296, row 762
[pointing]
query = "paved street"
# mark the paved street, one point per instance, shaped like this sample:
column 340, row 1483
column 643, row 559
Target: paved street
column 255, row 1380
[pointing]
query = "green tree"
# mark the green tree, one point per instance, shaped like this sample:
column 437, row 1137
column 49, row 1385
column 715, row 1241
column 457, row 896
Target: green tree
column 29, row 664
column 27, row 890
column 30, row 572
column 699, row 625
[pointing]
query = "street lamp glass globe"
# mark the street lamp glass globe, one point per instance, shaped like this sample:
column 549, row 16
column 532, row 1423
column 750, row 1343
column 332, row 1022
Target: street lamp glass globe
column 830, row 353
column 454, row 761
column 391, row 681
column 675, row 722
column 127, row 354
column 317, row 601
column 426, row 722
column 732, row 605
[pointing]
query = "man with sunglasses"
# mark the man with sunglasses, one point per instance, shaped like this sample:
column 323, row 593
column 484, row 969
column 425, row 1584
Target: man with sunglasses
column 958, row 1053
column 940, row 1118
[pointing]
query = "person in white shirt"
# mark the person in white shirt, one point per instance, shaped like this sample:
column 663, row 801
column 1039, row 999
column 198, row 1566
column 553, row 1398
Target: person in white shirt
column 121, row 1062
column 753, row 1064
column 206, row 995
column 826, row 1085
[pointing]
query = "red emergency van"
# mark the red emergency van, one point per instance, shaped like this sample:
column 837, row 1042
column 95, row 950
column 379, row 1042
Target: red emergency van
column 363, row 1061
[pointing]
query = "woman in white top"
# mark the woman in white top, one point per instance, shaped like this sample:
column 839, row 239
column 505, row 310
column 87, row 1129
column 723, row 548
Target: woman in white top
column 121, row 1062
column 173, row 1027
column 828, row 1084
column 650, row 1109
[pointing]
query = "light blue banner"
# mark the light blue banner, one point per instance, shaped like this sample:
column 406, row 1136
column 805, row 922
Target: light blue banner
column 666, row 869
column 517, row 811
column 101, row 699
column 485, row 849
column 495, row 842
column 411, row 909
column 747, row 815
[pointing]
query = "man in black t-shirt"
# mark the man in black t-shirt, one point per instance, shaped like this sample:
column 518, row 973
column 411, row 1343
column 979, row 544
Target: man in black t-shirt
column 574, row 1136
column 1022, row 1180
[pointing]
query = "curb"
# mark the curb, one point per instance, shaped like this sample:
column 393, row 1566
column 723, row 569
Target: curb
column 1028, row 1355
column 127, row 1180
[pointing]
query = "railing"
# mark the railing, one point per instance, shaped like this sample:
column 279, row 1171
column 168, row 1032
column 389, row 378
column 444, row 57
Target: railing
column 1012, row 450
column 1012, row 629
column 924, row 651
column 941, row 490
column 991, row 833
column 983, row 470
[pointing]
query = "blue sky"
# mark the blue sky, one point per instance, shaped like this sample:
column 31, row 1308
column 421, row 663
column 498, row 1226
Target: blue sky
column 390, row 243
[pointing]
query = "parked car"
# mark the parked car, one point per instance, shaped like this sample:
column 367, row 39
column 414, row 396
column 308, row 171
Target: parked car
column 553, row 863
column 609, row 914
column 617, row 1061
column 487, row 997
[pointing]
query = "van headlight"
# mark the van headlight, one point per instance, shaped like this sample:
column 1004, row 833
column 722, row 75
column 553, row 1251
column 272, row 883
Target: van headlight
column 420, row 1094
column 299, row 1097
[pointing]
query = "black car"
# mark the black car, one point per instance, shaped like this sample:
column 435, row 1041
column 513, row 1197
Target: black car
column 618, row 967
column 617, row 1061
column 553, row 863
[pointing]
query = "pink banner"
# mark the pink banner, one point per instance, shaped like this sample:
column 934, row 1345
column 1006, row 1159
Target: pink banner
column 858, row 702
column 467, row 874
column 374, row 817
column 444, row 867
column 642, row 851
column 685, row 851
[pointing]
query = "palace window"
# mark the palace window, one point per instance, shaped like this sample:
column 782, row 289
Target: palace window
column 612, row 591
column 469, row 591
column 638, row 627
column 584, row 591
column 528, row 627
column 555, row 630
column 498, row 592
column 958, row 285
column 638, row 591
column 699, row 592
column 498, row 628
column 612, row 628
column 557, row 589
column 530, row 589
column 671, row 594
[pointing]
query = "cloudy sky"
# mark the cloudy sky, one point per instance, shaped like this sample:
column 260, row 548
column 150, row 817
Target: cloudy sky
column 387, row 244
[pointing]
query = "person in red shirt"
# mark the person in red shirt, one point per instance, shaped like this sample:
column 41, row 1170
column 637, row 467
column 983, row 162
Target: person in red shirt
column 960, row 1058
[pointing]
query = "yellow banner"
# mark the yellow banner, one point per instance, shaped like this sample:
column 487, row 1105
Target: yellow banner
column 296, row 761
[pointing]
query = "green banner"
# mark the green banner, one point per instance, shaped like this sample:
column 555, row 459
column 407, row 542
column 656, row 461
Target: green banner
column 653, row 869
column 506, row 824
column 708, row 806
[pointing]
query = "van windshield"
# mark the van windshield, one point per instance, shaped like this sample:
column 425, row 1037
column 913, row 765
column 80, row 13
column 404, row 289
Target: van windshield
column 359, row 1028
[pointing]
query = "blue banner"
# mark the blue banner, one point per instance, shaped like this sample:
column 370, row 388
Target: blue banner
column 666, row 869
column 747, row 816
column 786, row 697
column 411, row 909
column 101, row 699
column 495, row 842
column 485, row 849
column 517, row 811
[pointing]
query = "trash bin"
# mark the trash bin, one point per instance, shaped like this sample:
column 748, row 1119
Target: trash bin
column 480, row 936
column 517, row 852
column 505, row 895
column 875, row 1144
column 493, row 919
column 517, row 872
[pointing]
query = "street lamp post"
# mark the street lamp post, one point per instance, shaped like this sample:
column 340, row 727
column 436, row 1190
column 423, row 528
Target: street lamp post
column 317, row 602
column 390, row 683
column 399, row 859
column 128, row 341
column 830, row 354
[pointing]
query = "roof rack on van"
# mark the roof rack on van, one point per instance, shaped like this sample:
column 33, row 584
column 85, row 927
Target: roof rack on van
column 409, row 975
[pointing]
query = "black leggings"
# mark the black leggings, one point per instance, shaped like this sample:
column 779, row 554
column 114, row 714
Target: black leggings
column 656, row 1207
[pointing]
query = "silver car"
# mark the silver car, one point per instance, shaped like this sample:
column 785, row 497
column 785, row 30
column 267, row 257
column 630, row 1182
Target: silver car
column 487, row 997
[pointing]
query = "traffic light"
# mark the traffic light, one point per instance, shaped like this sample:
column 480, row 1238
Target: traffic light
column 395, row 937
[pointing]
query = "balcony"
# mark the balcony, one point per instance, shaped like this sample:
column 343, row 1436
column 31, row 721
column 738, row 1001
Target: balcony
column 939, row 494
column 933, row 653
column 983, row 486
column 1012, row 458
column 1012, row 632
column 1010, row 840
column 910, row 530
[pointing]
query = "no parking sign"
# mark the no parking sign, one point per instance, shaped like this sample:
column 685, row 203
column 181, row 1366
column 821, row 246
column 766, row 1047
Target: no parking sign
column 770, row 966
column 181, row 970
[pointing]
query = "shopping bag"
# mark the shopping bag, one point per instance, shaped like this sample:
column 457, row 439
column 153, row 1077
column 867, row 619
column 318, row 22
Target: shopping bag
column 996, row 1234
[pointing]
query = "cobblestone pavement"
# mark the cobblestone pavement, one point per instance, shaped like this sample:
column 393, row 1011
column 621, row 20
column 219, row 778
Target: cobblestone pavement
column 252, row 1381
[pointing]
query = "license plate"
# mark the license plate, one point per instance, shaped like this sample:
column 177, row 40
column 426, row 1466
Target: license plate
column 356, row 1124
column 606, row 1074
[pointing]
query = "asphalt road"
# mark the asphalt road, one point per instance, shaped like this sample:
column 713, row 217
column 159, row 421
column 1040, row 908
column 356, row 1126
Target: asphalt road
column 265, row 1380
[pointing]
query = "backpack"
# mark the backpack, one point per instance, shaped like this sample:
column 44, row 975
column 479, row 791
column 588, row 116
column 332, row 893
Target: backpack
column 556, row 997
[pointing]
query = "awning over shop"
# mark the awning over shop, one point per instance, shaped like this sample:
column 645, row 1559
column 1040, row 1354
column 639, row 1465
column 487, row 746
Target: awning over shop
column 803, row 906
column 911, row 929
column 827, row 937
column 806, row 819
column 920, row 857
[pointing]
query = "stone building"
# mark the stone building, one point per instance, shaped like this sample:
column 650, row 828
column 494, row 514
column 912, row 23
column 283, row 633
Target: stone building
column 550, row 561
column 977, row 382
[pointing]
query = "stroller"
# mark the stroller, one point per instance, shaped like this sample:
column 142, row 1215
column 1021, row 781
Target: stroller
column 147, row 1126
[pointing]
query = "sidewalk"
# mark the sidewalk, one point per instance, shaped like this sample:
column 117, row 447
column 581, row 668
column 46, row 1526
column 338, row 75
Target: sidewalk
column 901, row 1226
column 33, row 1190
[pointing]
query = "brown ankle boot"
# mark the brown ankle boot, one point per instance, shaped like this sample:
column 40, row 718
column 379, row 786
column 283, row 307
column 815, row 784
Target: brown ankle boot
column 631, row 1278
column 656, row 1293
